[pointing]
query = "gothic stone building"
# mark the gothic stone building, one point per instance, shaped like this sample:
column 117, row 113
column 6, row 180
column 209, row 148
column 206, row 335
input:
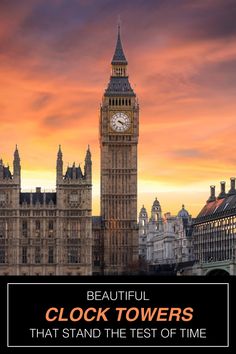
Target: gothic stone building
column 119, row 130
column 214, row 234
column 165, row 242
column 51, row 233
column 46, row 233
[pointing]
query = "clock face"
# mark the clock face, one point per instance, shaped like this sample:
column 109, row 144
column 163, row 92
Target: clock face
column 120, row 122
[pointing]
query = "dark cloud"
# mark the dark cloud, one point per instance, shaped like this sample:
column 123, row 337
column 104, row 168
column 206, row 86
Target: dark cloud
column 217, row 76
column 42, row 100
column 214, row 19
column 55, row 121
column 48, row 33
column 59, row 121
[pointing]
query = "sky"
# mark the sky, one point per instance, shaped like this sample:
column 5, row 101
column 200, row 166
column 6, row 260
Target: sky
column 55, row 65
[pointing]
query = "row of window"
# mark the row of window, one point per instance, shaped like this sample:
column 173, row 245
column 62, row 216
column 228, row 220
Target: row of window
column 38, row 213
column 25, row 225
column 72, row 255
column 119, row 258
column 119, row 102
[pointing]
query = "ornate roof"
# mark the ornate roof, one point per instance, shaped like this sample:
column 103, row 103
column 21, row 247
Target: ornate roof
column 217, row 209
column 143, row 211
column 119, row 56
column 7, row 173
column 156, row 203
column 119, row 86
column 73, row 172
column 183, row 213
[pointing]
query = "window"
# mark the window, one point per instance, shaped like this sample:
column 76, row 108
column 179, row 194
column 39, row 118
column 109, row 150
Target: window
column 74, row 228
column 37, row 255
column 24, row 228
column 2, row 229
column 50, row 255
column 50, row 225
column 37, row 225
column 24, row 255
column 2, row 255
column 73, row 255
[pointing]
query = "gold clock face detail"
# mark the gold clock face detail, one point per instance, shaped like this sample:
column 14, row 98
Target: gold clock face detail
column 120, row 122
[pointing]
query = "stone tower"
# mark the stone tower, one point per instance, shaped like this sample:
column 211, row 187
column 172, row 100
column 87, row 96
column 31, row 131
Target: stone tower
column 143, row 231
column 156, row 222
column 74, row 203
column 9, row 214
column 119, row 130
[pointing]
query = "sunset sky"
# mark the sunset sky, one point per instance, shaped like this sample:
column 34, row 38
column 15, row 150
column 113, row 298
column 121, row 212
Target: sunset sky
column 55, row 64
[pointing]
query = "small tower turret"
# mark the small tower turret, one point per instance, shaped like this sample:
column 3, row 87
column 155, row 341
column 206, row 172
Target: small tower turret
column 16, row 166
column 88, row 165
column 156, row 222
column 156, row 211
column 59, row 165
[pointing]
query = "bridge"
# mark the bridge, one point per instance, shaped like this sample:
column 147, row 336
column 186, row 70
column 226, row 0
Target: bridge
column 221, row 268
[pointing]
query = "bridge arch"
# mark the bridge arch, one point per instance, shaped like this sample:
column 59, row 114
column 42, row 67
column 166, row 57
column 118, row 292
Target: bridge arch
column 218, row 272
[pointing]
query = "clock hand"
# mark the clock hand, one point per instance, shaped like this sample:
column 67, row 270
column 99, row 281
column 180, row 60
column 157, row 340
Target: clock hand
column 119, row 121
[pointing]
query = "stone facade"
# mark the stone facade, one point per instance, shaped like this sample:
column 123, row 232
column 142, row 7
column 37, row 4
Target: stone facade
column 214, row 234
column 165, row 241
column 119, row 130
column 54, row 233
column 46, row 233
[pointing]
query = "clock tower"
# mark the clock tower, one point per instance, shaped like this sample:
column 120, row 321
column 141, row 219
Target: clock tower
column 119, row 130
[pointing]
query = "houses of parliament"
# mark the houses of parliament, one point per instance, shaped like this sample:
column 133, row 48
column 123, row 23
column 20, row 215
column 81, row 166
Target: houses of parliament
column 55, row 233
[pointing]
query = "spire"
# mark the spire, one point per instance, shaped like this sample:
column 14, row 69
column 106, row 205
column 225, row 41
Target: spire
column 59, row 154
column 119, row 82
column 88, row 154
column 16, row 165
column 16, row 154
column 59, row 166
column 88, row 165
column 119, row 56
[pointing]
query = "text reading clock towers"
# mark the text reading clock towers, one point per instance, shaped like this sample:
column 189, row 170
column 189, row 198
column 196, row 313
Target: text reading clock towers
column 119, row 125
